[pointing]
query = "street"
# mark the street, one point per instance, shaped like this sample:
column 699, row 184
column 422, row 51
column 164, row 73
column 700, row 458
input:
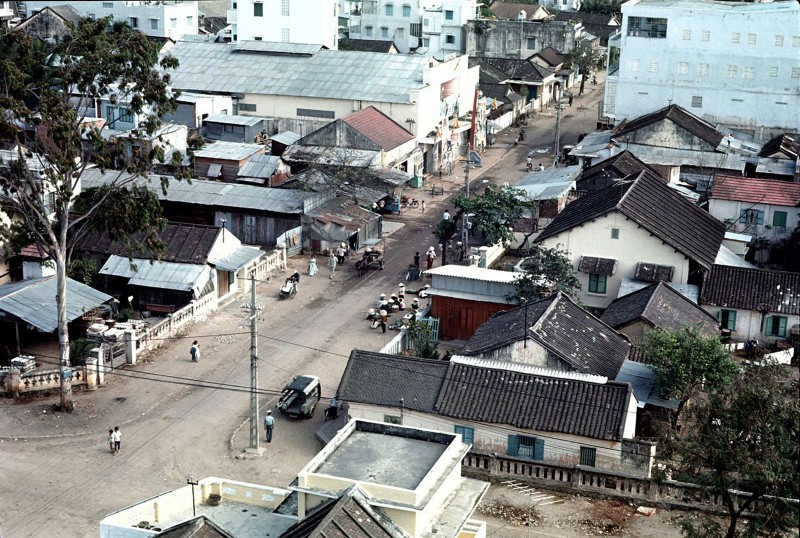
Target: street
column 58, row 477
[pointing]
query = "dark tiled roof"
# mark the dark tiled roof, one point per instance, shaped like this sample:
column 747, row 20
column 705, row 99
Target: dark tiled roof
column 552, row 56
column 570, row 333
column 378, row 127
column 619, row 166
column 527, row 401
column 369, row 45
column 680, row 117
column 648, row 201
column 752, row 289
column 660, row 305
column 756, row 191
column 782, row 144
column 524, row 70
column 67, row 12
column 349, row 516
column 198, row 527
column 509, row 10
column 184, row 243
column 213, row 25
column 597, row 266
column 376, row 378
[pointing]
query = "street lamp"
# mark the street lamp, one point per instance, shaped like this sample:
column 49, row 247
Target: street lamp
column 192, row 482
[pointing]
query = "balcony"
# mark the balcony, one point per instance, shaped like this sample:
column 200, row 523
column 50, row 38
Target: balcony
column 232, row 13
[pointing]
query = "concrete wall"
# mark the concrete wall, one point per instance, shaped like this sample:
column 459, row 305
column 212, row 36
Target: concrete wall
column 751, row 324
column 510, row 39
column 635, row 244
column 312, row 21
column 667, row 134
column 731, row 211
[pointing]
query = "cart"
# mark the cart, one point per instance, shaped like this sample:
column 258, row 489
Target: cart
column 372, row 256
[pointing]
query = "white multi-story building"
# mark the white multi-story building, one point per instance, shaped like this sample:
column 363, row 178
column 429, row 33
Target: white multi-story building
column 443, row 25
column 736, row 64
column 159, row 19
column 314, row 22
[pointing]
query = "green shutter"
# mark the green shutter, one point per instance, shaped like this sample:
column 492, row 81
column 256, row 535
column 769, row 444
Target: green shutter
column 779, row 219
column 782, row 321
column 538, row 449
column 732, row 320
column 513, row 446
column 768, row 327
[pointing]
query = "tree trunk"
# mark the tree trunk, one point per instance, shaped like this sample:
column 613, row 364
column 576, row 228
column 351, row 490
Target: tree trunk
column 66, row 403
column 583, row 82
column 731, row 532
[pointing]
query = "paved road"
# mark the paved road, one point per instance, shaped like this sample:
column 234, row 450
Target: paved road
column 57, row 476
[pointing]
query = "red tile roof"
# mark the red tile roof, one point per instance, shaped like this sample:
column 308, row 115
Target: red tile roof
column 378, row 127
column 32, row 251
column 756, row 191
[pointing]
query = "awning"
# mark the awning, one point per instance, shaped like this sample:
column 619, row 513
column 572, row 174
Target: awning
column 652, row 272
column 237, row 258
column 214, row 170
column 597, row 266
column 163, row 275
column 32, row 301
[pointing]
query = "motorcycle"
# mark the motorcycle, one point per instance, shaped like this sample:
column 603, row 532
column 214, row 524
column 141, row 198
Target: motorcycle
column 405, row 201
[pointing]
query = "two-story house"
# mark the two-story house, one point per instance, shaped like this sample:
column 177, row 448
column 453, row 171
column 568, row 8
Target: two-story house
column 443, row 25
column 637, row 228
column 312, row 21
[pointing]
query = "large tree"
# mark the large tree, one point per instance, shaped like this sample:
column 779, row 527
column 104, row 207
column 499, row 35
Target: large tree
column 545, row 271
column 744, row 438
column 586, row 57
column 47, row 90
column 685, row 360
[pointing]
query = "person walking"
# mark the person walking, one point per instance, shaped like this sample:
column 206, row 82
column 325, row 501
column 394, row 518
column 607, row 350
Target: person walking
column 401, row 291
column 416, row 259
column 117, row 436
column 195, row 351
column 570, row 99
column 384, row 319
column 269, row 424
column 312, row 266
column 332, row 264
column 423, row 206
column 111, row 440
column 446, row 216
column 430, row 256
column 340, row 253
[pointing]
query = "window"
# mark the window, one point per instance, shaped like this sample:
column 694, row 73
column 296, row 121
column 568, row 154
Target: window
column 588, row 456
column 285, row 36
column 391, row 419
column 425, row 22
column 134, row 22
column 400, row 33
column 530, row 42
column 190, row 21
column 154, row 24
column 697, row 101
column 368, row 31
column 125, row 115
column 778, row 40
column 173, row 23
column 247, row 107
column 687, row 34
column 727, row 319
column 634, row 65
column 384, row 31
column 450, row 39
column 284, row 8
column 683, row 68
column 524, row 446
column 776, row 326
column 653, row 66
column 370, row 7
column 749, row 72
column 751, row 216
column 389, row 10
column 258, row 9
column 406, row 11
column 647, row 27
column 796, row 40
column 751, row 39
column 597, row 283
column 108, row 5
column 795, row 72
column 614, row 233
column 773, row 71
column 110, row 112
column 779, row 219
column 705, row 35
column 467, row 434
column 91, row 16
column 426, row 42
column 258, row 38
column 730, row 72
column 702, row 70
column 416, row 29
column 448, row 14
column 735, row 37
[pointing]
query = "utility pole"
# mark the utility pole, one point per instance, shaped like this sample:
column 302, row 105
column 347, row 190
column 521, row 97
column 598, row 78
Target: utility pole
column 470, row 148
column 556, row 148
column 254, row 437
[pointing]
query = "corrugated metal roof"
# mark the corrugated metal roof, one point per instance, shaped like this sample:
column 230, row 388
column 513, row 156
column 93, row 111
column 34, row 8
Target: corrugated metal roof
column 237, row 258
column 233, row 151
column 287, row 138
column 32, row 301
column 642, row 379
column 162, row 275
column 473, row 273
column 212, row 193
column 468, row 296
column 260, row 166
column 278, row 47
column 527, row 369
column 687, row 157
column 356, row 158
column 330, row 74
column 230, row 119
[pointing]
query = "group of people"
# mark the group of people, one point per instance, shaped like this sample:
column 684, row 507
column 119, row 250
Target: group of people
column 114, row 440
column 396, row 301
column 430, row 254
column 334, row 258
column 529, row 165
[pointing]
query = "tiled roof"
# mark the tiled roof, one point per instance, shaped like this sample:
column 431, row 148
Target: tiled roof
column 647, row 200
column 376, row 378
column 752, row 289
column 369, row 45
column 782, row 144
column 514, row 69
column 679, row 116
column 567, row 331
column 508, row 10
column 552, row 56
column 620, row 165
column 198, row 527
column 597, row 266
column 349, row 516
column 533, row 402
column 756, row 191
column 661, row 306
column 184, row 243
column 379, row 128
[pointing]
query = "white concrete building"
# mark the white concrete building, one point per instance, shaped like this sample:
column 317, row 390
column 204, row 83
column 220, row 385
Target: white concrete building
column 159, row 19
column 310, row 21
column 443, row 25
column 731, row 63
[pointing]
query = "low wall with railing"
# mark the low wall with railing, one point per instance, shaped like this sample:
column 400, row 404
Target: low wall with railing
column 84, row 377
column 588, row 481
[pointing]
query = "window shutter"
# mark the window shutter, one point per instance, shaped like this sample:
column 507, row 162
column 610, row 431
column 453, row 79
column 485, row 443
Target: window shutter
column 760, row 217
column 513, row 446
column 719, row 315
column 782, row 326
column 768, row 326
column 732, row 320
column 743, row 216
column 538, row 449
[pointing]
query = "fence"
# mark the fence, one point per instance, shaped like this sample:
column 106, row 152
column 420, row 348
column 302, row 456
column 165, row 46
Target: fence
column 87, row 376
column 399, row 343
column 586, row 481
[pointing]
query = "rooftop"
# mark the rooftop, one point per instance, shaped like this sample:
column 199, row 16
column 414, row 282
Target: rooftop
column 231, row 151
column 231, row 119
column 756, row 191
column 680, row 117
column 379, row 128
column 752, row 289
column 473, row 273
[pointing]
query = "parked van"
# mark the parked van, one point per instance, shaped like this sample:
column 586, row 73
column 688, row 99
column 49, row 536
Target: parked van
column 300, row 396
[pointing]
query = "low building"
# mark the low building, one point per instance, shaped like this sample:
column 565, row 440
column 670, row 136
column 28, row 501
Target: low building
column 231, row 128
column 192, row 108
column 50, row 22
column 265, row 170
column 224, row 160
column 463, row 297
column 608, row 171
column 529, row 413
column 552, row 189
column 553, row 333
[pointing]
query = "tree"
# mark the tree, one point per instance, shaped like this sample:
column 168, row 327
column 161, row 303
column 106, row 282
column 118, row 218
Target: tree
column 47, row 89
column 606, row 7
column 744, row 438
column 546, row 270
column 586, row 58
column 685, row 360
column 420, row 339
